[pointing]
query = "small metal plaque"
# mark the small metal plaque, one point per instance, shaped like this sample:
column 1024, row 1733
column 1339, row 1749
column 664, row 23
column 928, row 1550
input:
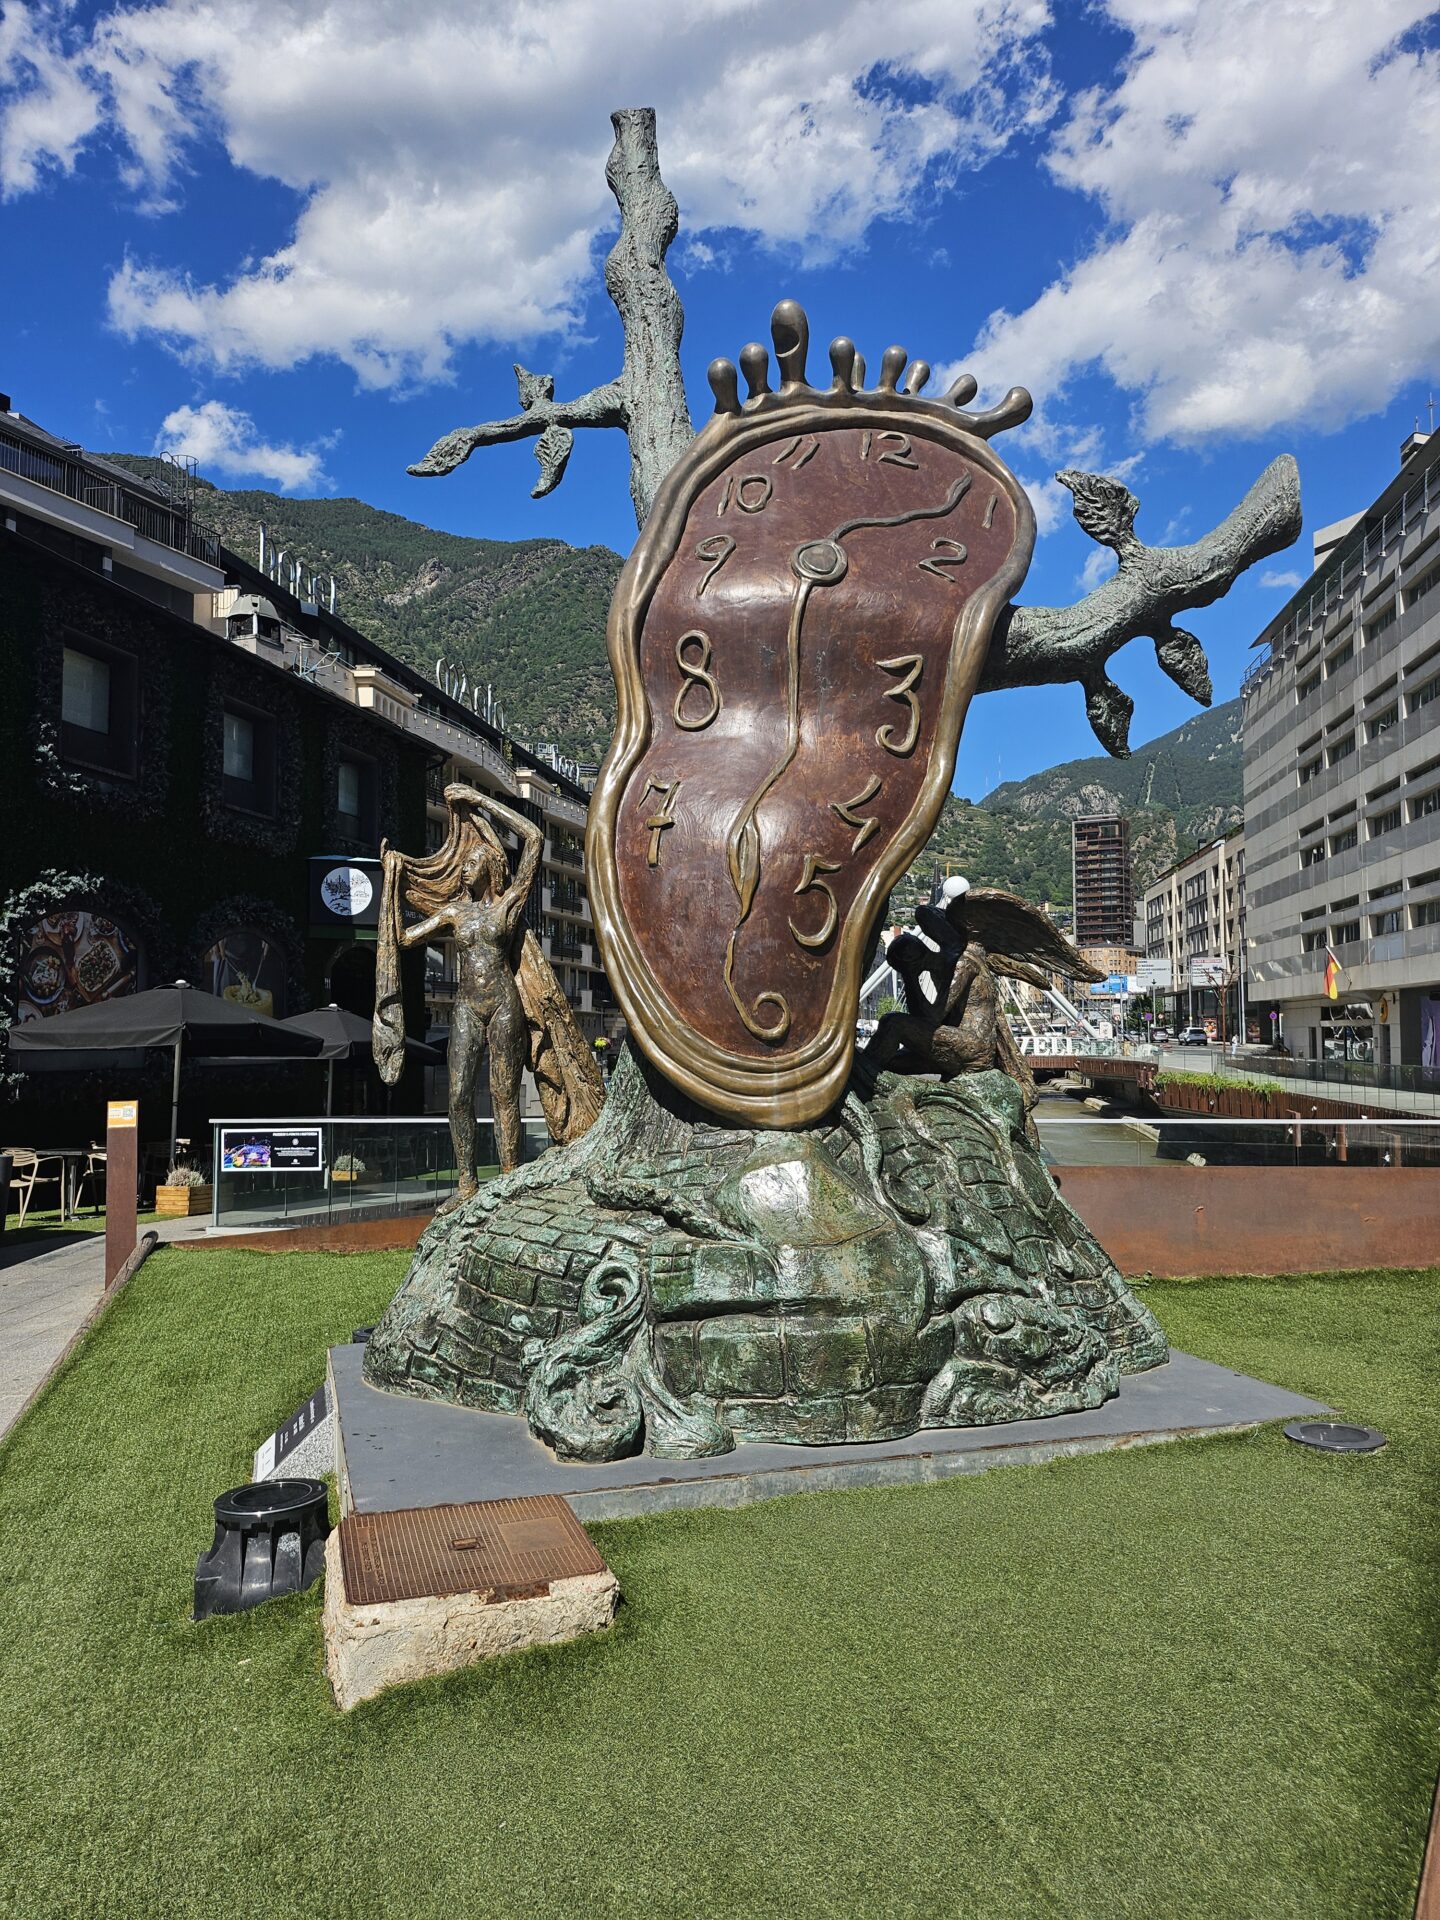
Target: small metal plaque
column 504, row 1549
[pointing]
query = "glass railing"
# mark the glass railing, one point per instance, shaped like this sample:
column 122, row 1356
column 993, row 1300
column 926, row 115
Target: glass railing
column 1096, row 1141
column 365, row 1169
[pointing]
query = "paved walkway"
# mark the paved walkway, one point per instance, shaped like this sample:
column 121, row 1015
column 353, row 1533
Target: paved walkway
column 49, row 1285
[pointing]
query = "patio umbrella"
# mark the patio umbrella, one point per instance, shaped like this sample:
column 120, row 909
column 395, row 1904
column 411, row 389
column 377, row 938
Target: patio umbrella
column 180, row 1017
column 347, row 1036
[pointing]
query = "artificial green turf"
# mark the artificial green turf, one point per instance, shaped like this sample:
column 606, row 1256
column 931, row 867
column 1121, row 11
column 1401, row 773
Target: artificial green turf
column 1196, row 1679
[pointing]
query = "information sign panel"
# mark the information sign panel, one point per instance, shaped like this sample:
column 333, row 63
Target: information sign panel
column 271, row 1150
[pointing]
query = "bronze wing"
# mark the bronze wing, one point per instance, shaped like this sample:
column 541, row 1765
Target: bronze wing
column 1021, row 941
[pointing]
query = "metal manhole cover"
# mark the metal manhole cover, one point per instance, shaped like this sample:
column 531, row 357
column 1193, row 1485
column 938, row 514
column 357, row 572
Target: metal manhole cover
column 505, row 1549
column 1335, row 1436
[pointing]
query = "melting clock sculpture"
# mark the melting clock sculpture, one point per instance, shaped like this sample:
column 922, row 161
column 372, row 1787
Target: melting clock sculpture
column 760, row 1237
column 747, row 1243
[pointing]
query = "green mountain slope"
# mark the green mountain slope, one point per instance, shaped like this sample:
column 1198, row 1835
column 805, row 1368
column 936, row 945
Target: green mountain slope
column 1179, row 791
column 528, row 616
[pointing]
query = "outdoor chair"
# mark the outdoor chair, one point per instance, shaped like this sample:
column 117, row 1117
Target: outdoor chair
column 25, row 1176
column 94, row 1175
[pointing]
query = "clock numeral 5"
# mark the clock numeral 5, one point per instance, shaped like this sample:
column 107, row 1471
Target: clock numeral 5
column 810, row 882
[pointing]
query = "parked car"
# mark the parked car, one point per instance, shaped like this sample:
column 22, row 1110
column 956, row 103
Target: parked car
column 1194, row 1037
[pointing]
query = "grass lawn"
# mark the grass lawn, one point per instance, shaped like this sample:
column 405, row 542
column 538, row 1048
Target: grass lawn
column 1187, row 1680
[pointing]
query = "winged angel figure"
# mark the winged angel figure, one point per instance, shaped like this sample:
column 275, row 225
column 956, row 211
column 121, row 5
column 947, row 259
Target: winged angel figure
column 508, row 999
column 973, row 937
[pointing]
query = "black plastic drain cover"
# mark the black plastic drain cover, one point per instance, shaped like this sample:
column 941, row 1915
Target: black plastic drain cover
column 1335, row 1436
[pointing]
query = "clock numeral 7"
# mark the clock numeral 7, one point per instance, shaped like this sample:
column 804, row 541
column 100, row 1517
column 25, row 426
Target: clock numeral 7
column 911, row 665
column 663, row 817
column 810, row 882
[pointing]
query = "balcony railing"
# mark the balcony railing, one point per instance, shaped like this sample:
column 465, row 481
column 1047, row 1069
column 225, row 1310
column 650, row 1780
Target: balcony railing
column 167, row 526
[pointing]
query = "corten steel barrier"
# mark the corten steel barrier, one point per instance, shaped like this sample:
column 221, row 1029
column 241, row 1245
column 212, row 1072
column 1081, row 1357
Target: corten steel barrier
column 1174, row 1221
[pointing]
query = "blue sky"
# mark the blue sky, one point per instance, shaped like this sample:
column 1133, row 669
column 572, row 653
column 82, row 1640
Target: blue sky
column 304, row 239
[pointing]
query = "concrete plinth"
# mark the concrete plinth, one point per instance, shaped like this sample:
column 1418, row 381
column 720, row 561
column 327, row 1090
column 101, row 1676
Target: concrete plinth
column 383, row 1644
column 393, row 1451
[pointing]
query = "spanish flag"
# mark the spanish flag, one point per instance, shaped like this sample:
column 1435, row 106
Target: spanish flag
column 1332, row 976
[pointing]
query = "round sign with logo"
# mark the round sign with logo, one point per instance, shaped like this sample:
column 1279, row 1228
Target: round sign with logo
column 346, row 892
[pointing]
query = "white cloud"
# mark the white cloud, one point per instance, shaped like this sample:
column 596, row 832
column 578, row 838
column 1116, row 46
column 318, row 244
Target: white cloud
column 47, row 106
column 1099, row 565
column 1288, row 579
column 225, row 440
column 449, row 157
column 1272, row 249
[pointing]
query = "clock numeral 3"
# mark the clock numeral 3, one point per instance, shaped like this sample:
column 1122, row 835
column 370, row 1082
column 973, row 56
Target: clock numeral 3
column 911, row 665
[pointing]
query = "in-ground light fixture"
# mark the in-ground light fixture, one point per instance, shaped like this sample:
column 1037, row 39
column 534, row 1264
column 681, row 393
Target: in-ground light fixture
column 1335, row 1436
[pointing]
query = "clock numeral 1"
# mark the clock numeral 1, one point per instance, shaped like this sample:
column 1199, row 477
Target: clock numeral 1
column 810, row 882
column 911, row 665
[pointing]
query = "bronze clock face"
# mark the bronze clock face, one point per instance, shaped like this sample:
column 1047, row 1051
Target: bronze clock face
column 795, row 640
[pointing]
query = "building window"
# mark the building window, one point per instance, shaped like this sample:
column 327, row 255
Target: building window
column 1427, row 803
column 1381, row 621
column 1427, row 583
column 1347, row 932
column 355, row 797
column 1383, row 722
column 1342, row 748
column 98, row 709
column 1313, row 856
column 1341, row 657
column 1310, row 684
column 1423, row 696
column 249, row 764
column 1427, row 914
column 1385, row 822
column 1343, row 842
column 1387, row 922
column 1309, row 772
column 1313, row 941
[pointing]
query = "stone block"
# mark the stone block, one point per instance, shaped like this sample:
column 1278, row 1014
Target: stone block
column 827, row 1356
column 516, row 1283
column 675, row 1345
column 739, row 1354
column 370, row 1648
column 885, row 1413
column 813, row 1423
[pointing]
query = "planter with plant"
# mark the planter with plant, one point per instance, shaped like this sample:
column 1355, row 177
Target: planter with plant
column 184, row 1192
column 348, row 1167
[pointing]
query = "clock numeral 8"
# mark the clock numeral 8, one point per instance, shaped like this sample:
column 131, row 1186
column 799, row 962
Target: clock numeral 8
column 697, row 674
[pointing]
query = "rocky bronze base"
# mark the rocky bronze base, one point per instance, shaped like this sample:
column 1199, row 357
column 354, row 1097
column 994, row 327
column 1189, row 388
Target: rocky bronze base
column 670, row 1285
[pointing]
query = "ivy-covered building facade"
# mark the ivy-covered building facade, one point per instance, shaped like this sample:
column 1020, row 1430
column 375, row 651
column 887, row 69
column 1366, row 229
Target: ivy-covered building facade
column 166, row 788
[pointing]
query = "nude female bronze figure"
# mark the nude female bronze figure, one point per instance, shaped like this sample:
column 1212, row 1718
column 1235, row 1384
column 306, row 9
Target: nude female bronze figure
column 507, row 1001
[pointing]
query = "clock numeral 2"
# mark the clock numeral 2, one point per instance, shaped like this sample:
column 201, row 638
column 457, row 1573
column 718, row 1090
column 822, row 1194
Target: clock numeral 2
column 944, row 553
